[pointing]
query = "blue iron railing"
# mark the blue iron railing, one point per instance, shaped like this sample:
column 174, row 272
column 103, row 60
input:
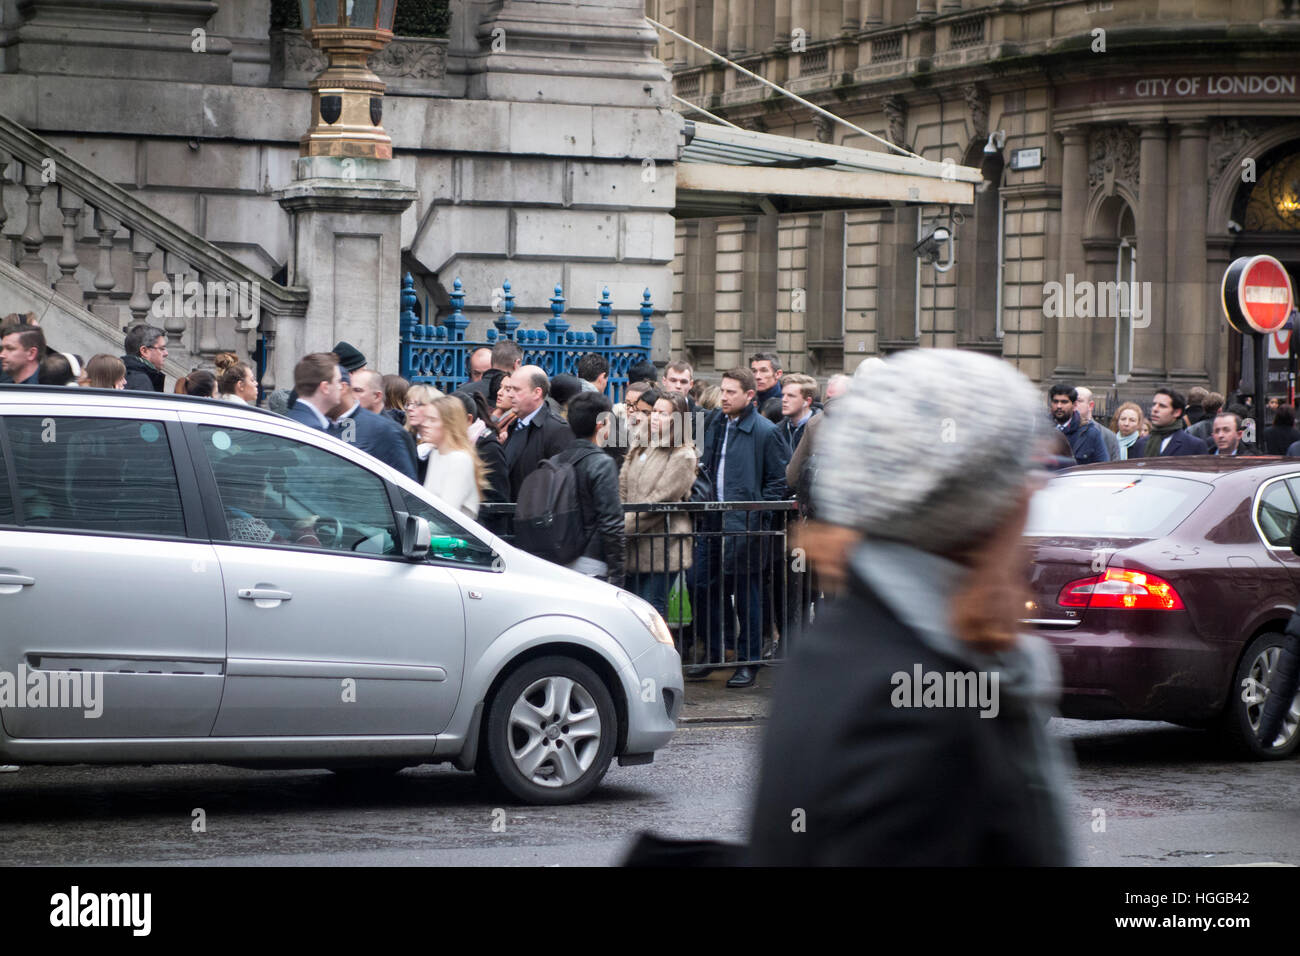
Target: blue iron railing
column 438, row 355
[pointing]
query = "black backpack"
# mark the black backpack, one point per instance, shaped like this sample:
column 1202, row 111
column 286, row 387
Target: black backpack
column 548, row 514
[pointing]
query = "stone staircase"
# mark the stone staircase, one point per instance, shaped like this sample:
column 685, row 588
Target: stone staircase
column 92, row 259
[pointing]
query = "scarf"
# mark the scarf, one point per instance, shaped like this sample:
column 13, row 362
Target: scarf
column 1126, row 443
column 1158, row 435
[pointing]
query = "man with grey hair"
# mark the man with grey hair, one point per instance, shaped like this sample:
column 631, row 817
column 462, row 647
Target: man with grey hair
column 538, row 432
column 837, row 385
column 146, row 351
column 1084, row 406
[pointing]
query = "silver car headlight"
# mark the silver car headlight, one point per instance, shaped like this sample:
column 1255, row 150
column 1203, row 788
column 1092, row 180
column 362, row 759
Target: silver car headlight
column 647, row 615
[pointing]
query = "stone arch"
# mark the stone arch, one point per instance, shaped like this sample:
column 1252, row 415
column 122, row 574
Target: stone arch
column 1225, row 190
column 1102, row 216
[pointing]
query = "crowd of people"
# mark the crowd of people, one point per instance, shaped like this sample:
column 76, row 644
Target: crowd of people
column 751, row 436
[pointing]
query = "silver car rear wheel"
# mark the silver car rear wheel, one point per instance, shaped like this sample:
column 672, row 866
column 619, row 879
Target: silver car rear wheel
column 551, row 731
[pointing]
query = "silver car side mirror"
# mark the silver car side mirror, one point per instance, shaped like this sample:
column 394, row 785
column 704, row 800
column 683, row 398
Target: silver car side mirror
column 416, row 534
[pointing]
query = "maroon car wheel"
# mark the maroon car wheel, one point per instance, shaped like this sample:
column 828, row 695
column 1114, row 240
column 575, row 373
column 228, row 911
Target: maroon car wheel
column 1246, row 704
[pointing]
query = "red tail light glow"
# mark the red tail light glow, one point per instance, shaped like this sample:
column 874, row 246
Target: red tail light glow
column 1123, row 590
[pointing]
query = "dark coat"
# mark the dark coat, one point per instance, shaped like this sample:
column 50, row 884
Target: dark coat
column 880, row 785
column 1277, row 439
column 773, row 392
column 1086, row 443
column 1180, row 443
column 142, row 376
column 794, row 433
column 548, row 434
column 757, row 455
column 303, row 415
column 493, row 457
column 488, row 385
column 602, row 509
column 378, row 436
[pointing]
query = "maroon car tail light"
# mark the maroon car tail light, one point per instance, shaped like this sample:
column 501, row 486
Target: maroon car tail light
column 1123, row 590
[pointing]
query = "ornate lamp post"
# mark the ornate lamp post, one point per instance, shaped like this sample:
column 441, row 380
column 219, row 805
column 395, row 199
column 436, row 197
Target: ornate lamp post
column 347, row 101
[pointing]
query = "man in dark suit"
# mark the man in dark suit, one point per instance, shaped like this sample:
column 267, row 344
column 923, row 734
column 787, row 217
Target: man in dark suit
column 538, row 433
column 1168, row 435
column 318, row 382
column 1227, row 437
column 374, row 434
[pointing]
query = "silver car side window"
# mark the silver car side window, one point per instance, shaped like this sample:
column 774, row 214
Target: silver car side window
column 280, row 491
column 95, row 475
column 449, row 541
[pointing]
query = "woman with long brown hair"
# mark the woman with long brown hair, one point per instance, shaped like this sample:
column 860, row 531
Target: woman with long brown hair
column 658, row 544
column 928, row 548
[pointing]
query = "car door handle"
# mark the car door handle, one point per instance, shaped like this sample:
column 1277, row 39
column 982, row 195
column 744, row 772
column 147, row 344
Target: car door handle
column 11, row 583
column 264, row 594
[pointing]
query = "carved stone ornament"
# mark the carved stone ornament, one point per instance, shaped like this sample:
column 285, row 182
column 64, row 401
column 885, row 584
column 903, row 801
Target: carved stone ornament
column 977, row 103
column 300, row 56
column 825, row 129
column 418, row 59
column 895, row 109
column 1113, row 154
column 1227, row 138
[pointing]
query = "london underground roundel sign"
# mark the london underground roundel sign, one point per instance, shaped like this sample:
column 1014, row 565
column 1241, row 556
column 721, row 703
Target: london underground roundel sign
column 1257, row 294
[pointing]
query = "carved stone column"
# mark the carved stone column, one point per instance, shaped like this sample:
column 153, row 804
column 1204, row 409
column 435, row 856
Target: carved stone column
column 1189, row 328
column 1149, row 342
column 721, row 25
column 1071, row 337
column 741, row 17
column 682, row 24
column 783, row 24
column 850, row 18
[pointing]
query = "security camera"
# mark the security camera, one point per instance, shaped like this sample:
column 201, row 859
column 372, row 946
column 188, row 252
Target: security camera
column 930, row 248
column 1234, row 227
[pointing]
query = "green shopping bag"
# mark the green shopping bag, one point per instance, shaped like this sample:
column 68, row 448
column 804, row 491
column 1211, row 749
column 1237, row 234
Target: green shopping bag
column 679, row 603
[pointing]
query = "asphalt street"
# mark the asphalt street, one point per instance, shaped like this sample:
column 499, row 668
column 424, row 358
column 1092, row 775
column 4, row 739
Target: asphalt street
column 1170, row 796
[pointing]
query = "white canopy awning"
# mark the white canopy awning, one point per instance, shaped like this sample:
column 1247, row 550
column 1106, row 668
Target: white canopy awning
column 724, row 171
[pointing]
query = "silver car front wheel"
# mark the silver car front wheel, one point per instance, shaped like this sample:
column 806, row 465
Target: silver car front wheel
column 551, row 731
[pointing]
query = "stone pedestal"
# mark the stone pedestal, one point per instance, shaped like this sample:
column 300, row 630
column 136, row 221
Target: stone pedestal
column 346, row 248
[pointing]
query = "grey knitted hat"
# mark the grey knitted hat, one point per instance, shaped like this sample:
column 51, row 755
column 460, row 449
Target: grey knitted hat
column 929, row 447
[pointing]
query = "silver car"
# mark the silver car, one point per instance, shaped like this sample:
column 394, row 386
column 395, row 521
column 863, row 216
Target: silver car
column 193, row 581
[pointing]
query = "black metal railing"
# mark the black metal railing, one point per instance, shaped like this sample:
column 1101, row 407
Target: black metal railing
column 722, row 573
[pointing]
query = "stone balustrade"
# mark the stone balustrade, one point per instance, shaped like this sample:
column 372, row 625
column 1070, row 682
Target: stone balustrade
column 201, row 296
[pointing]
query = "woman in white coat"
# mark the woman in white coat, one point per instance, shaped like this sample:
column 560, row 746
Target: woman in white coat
column 455, row 473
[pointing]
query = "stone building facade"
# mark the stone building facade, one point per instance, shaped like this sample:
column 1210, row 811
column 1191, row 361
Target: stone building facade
column 1121, row 142
column 520, row 149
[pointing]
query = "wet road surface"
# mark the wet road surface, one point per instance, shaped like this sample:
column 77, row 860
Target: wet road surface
column 1170, row 796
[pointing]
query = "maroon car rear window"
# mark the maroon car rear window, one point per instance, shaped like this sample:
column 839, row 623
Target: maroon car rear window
column 1114, row 504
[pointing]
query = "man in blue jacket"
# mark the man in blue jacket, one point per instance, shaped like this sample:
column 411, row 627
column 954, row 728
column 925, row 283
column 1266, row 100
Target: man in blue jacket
column 1168, row 433
column 1086, row 443
column 745, row 455
column 326, row 404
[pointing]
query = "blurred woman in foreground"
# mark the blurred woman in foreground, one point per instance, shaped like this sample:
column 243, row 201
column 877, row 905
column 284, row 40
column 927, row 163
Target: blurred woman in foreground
column 917, row 673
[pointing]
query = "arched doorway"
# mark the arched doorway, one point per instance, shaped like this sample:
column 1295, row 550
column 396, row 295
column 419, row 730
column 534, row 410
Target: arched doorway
column 1265, row 220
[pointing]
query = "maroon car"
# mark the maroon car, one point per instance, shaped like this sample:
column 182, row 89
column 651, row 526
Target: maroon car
column 1165, row 585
